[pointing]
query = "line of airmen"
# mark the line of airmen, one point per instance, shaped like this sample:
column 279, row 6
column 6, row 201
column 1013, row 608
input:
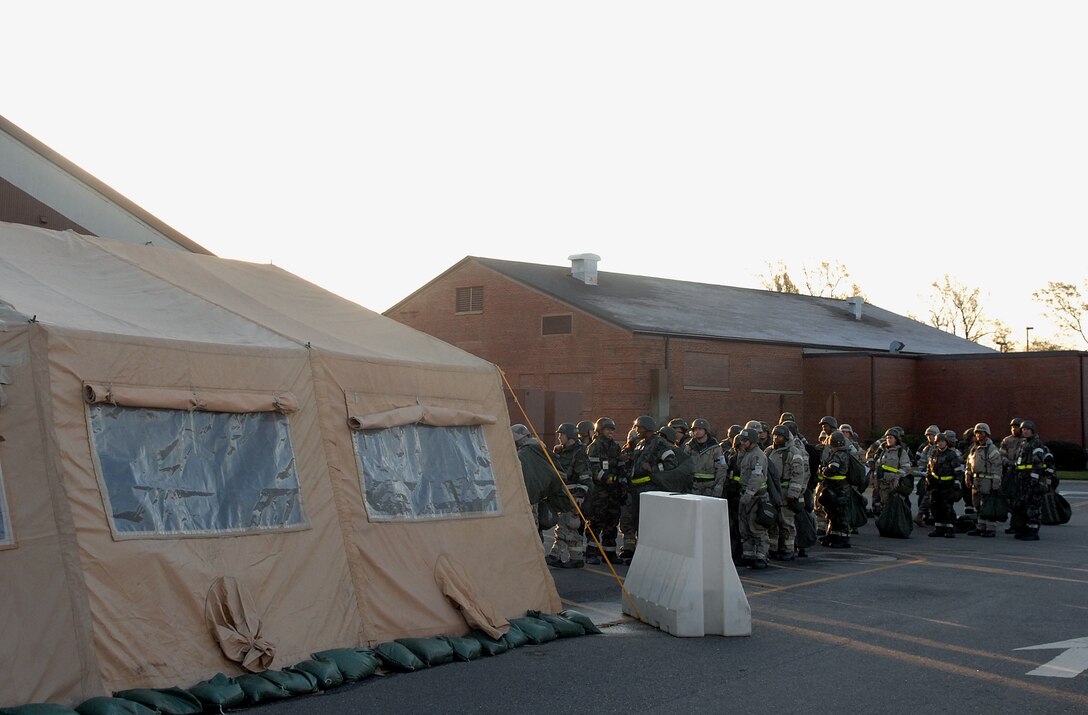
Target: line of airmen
column 770, row 477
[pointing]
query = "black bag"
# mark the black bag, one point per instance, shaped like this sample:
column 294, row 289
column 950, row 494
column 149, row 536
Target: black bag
column 764, row 513
column 855, row 512
column 774, row 484
column 1055, row 509
column 894, row 521
column 856, row 474
column 906, row 484
column 805, row 522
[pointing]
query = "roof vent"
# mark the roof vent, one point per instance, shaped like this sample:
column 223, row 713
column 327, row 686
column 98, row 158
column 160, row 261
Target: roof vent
column 896, row 347
column 856, row 304
column 583, row 267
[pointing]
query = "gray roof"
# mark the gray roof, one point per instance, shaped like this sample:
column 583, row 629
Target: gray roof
column 662, row 306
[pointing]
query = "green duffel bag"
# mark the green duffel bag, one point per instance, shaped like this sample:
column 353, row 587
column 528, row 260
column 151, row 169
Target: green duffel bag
column 583, row 620
column 353, row 663
column 994, row 507
column 1055, row 510
column 37, row 709
column 395, row 656
column 432, row 651
column 167, row 701
column 536, row 630
column 805, row 523
column 294, row 682
column 218, row 693
column 564, row 627
column 464, row 649
column 855, row 512
column 894, row 521
column 905, row 487
column 325, row 671
column 515, row 637
column 260, row 690
column 488, row 645
column 112, row 706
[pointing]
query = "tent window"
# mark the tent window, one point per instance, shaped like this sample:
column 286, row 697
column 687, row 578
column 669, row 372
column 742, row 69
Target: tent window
column 181, row 473
column 421, row 472
column 7, row 536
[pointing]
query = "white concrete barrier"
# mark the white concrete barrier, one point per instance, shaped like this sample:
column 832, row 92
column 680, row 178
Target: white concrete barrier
column 682, row 578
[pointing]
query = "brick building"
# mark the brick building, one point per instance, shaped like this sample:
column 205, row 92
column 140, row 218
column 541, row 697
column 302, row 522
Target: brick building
column 576, row 344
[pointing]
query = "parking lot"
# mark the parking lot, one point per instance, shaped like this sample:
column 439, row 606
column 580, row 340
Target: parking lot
column 890, row 626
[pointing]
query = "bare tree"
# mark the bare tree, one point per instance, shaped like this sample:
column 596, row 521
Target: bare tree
column 778, row 279
column 827, row 280
column 1066, row 306
column 1002, row 337
column 957, row 309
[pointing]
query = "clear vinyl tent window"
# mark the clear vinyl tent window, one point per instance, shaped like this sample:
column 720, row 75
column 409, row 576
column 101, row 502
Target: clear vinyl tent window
column 172, row 472
column 415, row 471
column 7, row 534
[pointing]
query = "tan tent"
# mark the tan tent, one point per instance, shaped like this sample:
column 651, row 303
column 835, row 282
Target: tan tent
column 205, row 458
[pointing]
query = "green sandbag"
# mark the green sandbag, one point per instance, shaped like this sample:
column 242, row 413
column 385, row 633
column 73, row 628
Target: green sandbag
column 168, row 701
column 292, row 681
column 564, row 627
column 37, row 709
column 894, row 521
column 536, row 630
column 515, row 637
column 488, row 645
column 258, row 689
column 218, row 693
column 432, row 651
column 396, row 657
column 112, row 706
column 353, row 664
column 464, row 648
column 583, row 620
column 327, row 674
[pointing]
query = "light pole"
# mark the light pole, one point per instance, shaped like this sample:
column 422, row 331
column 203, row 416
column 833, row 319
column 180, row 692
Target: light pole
column 1027, row 338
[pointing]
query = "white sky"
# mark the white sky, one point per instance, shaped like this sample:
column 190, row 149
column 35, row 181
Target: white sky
column 370, row 146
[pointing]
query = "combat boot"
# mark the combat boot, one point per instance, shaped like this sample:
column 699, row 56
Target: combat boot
column 840, row 542
column 553, row 560
column 976, row 532
column 573, row 564
column 758, row 564
column 1029, row 535
column 593, row 556
column 939, row 531
column 626, row 555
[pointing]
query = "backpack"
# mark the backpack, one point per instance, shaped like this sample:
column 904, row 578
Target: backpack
column 856, row 474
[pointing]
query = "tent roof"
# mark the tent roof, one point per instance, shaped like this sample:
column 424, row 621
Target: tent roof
column 672, row 307
column 97, row 284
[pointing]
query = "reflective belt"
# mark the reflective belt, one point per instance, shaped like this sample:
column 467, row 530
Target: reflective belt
column 640, row 480
column 736, row 478
column 1024, row 466
column 946, row 479
column 834, row 479
column 886, row 468
column 703, row 475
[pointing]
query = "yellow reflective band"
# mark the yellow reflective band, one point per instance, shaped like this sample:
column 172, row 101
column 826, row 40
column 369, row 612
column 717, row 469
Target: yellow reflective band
column 640, row 480
column 736, row 478
column 946, row 479
column 886, row 468
column 1024, row 466
column 835, row 479
column 703, row 475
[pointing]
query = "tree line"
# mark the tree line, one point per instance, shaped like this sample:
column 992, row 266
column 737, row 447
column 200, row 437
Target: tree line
column 953, row 306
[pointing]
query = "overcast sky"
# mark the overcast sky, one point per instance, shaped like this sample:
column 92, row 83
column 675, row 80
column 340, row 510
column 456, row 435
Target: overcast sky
column 370, row 146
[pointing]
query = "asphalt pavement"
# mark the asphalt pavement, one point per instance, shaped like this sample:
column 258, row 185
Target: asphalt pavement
column 916, row 625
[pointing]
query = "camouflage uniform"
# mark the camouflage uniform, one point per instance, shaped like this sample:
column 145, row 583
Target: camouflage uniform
column 652, row 456
column 790, row 459
column 1010, row 452
column 941, row 486
column 1034, row 465
column 609, row 493
column 834, row 495
column 752, row 465
column 890, row 464
column 709, row 464
column 984, row 472
column 570, row 541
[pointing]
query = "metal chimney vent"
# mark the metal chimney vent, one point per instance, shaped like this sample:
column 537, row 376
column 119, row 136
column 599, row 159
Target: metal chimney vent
column 583, row 267
column 856, row 303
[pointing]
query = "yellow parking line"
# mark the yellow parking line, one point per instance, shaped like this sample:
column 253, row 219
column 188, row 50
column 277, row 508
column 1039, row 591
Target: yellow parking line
column 926, row 642
column 1004, row 572
column 930, row 663
column 815, row 581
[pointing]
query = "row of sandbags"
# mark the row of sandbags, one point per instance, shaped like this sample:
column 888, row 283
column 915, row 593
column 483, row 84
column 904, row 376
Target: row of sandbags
column 325, row 670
